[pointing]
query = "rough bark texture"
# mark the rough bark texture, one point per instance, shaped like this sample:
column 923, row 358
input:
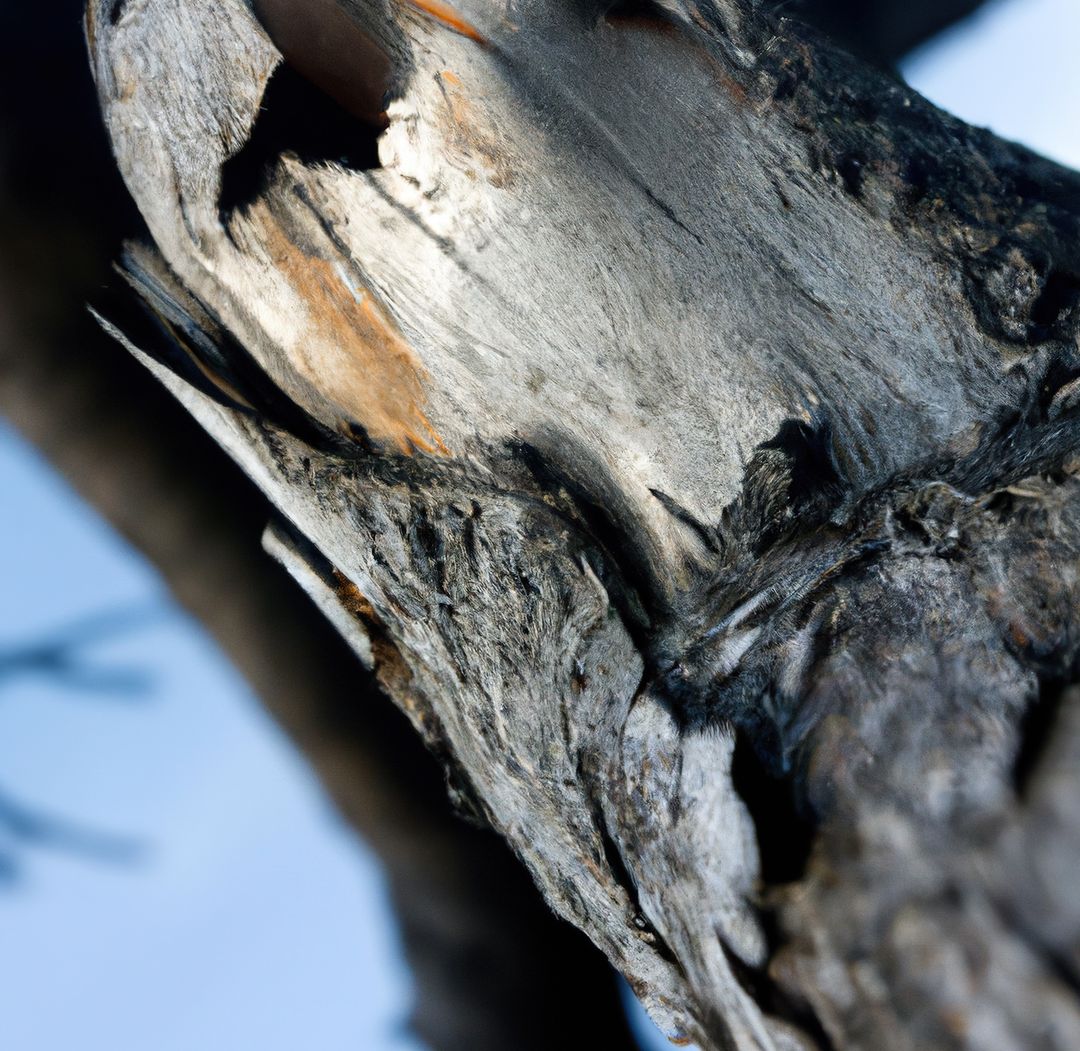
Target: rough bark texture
column 679, row 417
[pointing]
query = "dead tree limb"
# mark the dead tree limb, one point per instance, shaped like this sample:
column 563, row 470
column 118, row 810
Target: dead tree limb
column 679, row 417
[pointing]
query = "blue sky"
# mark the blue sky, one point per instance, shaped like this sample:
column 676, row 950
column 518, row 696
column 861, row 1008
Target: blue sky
column 1012, row 67
column 239, row 913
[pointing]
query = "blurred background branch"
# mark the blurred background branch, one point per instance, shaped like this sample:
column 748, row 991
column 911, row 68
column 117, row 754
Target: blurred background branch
column 60, row 655
column 22, row 825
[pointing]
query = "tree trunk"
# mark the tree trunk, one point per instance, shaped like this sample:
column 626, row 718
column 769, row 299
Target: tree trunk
column 679, row 417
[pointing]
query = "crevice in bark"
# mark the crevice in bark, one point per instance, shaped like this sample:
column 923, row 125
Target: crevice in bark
column 757, row 984
column 182, row 334
column 621, row 875
column 1036, row 732
column 785, row 833
column 143, row 317
column 703, row 532
column 632, row 587
column 587, row 775
column 850, row 169
column 295, row 118
column 792, row 484
column 815, row 481
column 639, row 12
column 390, row 668
column 1057, row 303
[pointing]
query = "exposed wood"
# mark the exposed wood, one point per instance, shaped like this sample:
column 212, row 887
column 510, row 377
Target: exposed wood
column 681, row 419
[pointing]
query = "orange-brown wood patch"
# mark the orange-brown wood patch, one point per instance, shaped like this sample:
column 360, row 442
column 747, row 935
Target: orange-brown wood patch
column 352, row 598
column 355, row 357
column 444, row 13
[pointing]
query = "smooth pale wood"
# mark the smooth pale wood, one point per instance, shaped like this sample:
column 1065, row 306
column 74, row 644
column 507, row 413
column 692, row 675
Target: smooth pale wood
column 681, row 370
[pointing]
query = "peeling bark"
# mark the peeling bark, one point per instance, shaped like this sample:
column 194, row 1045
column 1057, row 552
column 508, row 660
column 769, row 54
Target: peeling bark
column 680, row 419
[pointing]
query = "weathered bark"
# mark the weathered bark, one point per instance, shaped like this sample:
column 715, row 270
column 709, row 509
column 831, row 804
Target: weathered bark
column 680, row 418
column 483, row 950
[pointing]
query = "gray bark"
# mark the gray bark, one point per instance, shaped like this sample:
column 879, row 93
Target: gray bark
column 679, row 418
